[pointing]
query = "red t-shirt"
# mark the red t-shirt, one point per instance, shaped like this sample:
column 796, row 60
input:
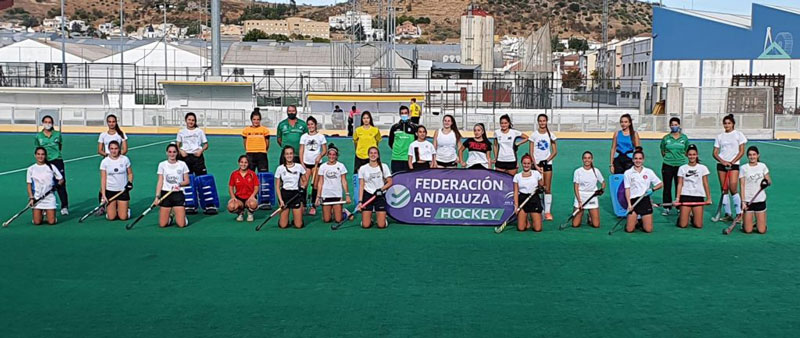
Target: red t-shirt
column 243, row 186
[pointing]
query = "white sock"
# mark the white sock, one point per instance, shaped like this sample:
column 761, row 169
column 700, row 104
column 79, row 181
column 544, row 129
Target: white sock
column 548, row 199
column 737, row 203
column 726, row 204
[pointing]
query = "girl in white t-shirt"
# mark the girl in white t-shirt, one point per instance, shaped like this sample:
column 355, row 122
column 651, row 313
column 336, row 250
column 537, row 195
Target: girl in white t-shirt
column 331, row 182
column 41, row 178
column 193, row 143
column 172, row 175
column 544, row 150
column 313, row 146
column 446, row 141
column 640, row 182
column 116, row 177
column 693, row 192
column 526, row 184
column 585, row 180
column 421, row 153
column 374, row 178
column 114, row 133
column 728, row 150
column 289, row 177
column 505, row 146
column 752, row 176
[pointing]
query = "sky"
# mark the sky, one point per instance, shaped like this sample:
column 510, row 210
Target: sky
column 725, row 6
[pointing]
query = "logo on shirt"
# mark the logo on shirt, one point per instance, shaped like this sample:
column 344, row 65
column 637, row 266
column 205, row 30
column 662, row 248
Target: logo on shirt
column 542, row 145
column 644, row 176
column 312, row 145
column 691, row 173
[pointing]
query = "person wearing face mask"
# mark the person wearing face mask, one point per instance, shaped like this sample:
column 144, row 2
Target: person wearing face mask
column 673, row 148
column 290, row 130
column 401, row 135
column 50, row 139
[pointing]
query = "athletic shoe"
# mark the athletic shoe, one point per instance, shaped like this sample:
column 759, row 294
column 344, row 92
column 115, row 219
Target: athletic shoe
column 665, row 212
column 64, row 211
column 171, row 220
column 548, row 216
column 726, row 218
column 240, row 218
column 312, row 211
column 250, row 217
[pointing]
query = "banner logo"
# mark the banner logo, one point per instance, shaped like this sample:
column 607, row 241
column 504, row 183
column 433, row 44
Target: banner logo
column 399, row 196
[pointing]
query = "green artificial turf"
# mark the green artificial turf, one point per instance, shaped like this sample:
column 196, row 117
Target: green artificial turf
column 221, row 278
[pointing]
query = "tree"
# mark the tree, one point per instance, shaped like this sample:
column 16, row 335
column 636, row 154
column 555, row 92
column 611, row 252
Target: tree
column 625, row 32
column 130, row 29
column 574, row 7
column 194, row 28
column 278, row 37
column 254, row 35
column 578, row 45
column 320, row 40
column 76, row 27
column 572, row 79
column 555, row 44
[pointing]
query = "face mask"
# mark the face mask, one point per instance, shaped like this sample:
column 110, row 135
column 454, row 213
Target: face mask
column 292, row 116
column 403, row 118
column 675, row 129
column 48, row 126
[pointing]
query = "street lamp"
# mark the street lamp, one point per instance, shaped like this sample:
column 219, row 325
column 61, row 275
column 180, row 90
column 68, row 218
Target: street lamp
column 164, row 7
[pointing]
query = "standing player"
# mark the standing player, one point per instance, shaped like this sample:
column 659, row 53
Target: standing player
column 479, row 149
column 751, row 175
column 505, row 146
column 290, row 130
column 585, row 181
column 640, row 182
column 366, row 136
column 52, row 141
column 114, row 133
column 446, row 141
column 193, row 143
column 41, row 176
column 728, row 150
column 692, row 188
column 526, row 183
column 243, row 187
column 400, row 137
column 544, row 149
column 351, row 119
column 674, row 147
column 416, row 111
column 625, row 141
column 256, row 143
column 331, row 182
column 313, row 145
column 116, row 175
column 374, row 179
column 421, row 153
column 172, row 175
column 290, row 176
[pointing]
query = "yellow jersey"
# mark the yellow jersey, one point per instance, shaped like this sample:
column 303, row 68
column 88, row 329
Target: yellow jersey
column 416, row 110
column 255, row 139
column 365, row 139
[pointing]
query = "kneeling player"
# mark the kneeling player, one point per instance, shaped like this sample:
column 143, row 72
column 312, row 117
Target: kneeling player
column 331, row 181
column 585, row 180
column 290, row 177
column 692, row 189
column 375, row 178
column 243, row 187
column 116, row 180
column 640, row 182
column 527, row 184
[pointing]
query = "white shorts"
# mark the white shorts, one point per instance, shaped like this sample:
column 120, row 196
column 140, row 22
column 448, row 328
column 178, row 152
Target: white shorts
column 593, row 204
column 48, row 203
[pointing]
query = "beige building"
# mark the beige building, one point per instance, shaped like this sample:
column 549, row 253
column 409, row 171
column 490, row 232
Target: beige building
column 477, row 38
column 297, row 26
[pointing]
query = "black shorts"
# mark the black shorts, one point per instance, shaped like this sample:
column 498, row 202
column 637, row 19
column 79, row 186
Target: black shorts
column 506, row 165
column 197, row 165
column 477, row 166
column 175, row 199
column 757, row 206
column 358, row 162
column 644, row 208
column 721, row 167
column 447, row 164
column 287, row 196
column 545, row 166
column 422, row 165
column 126, row 196
column 258, row 162
column 378, row 205
column 691, row 199
column 309, row 166
column 331, row 199
column 534, row 205
column 622, row 163
column 415, row 119
column 399, row 166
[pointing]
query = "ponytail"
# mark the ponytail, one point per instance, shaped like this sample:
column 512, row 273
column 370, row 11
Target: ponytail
column 546, row 127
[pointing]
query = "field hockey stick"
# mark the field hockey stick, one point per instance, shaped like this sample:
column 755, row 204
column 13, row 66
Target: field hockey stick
column 285, row 205
column 729, row 229
column 502, row 227
column 351, row 215
column 614, row 228
column 574, row 213
column 334, row 203
column 102, row 205
column 686, row 204
column 132, row 224
column 311, row 186
column 718, row 214
column 30, row 205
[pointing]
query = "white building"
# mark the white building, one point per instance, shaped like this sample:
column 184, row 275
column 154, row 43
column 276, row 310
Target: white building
column 46, row 51
column 351, row 18
column 477, row 38
column 637, row 60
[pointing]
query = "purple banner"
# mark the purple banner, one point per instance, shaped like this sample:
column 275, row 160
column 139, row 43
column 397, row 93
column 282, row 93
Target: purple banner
column 451, row 197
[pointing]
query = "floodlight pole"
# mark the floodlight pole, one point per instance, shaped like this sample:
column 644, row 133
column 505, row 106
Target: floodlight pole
column 121, row 53
column 63, row 48
column 216, row 44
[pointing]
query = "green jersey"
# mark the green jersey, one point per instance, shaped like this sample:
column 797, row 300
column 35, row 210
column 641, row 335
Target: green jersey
column 674, row 150
column 400, row 138
column 52, row 144
column 290, row 136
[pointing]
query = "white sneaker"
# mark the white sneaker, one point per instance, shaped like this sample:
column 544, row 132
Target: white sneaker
column 250, row 217
column 665, row 212
column 240, row 218
column 64, row 211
